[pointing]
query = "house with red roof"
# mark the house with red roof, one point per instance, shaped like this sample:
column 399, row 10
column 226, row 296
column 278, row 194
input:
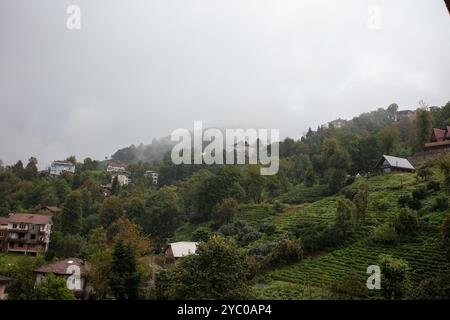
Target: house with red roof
column 26, row 233
column 440, row 140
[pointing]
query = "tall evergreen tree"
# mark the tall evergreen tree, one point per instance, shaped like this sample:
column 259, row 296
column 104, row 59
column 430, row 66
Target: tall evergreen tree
column 72, row 213
column 124, row 277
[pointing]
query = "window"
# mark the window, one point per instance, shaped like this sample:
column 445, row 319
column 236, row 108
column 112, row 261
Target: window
column 32, row 236
column 22, row 226
column 14, row 226
column 2, row 234
column 20, row 245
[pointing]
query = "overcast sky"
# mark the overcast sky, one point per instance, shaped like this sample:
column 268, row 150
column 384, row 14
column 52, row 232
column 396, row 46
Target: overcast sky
column 137, row 70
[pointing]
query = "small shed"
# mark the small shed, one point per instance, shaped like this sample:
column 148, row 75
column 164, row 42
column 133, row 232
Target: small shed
column 179, row 249
column 389, row 164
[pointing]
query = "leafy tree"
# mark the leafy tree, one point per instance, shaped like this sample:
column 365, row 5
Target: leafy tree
column 443, row 160
column 31, row 170
column 101, row 265
column 406, row 222
column 163, row 213
column 424, row 173
column 218, row 270
column 433, row 288
column 111, row 210
column 72, row 213
column 225, row 211
column 388, row 139
column 394, row 276
column 253, row 182
column 23, row 279
column 286, row 251
column 344, row 210
column 423, row 126
column 53, row 288
column 115, row 186
column 130, row 234
column 124, row 277
column 309, row 177
column 361, row 201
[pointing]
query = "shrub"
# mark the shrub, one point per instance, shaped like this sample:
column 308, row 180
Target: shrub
column 434, row 186
column 440, row 203
column 382, row 205
column 403, row 200
column 201, row 234
column 286, row 251
column 406, row 222
column 414, row 204
column 420, row 193
column 267, row 228
column 279, row 206
column 385, row 234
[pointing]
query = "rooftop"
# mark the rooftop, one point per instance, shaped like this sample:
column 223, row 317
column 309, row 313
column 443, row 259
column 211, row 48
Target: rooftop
column 183, row 248
column 60, row 267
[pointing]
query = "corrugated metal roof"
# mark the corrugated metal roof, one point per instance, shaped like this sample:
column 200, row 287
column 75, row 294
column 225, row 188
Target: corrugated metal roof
column 398, row 162
column 183, row 248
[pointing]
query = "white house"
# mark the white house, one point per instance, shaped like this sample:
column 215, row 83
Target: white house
column 122, row 178
column 57, row 167
column 180, row 249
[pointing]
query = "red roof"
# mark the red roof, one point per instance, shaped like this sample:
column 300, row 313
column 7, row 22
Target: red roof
column 439, row 134
column 29, row 218
column 4, row 220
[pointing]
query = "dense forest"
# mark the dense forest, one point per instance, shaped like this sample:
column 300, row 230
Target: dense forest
column 287, row 236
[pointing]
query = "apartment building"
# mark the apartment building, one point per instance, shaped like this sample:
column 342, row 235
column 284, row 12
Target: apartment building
column 25, row 233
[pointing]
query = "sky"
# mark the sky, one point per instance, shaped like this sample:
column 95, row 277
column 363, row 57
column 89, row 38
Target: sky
column 137, row 70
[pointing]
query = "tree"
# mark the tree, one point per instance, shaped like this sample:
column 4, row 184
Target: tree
column 31, row 170
column 53, row 288
column 423, row 126
column 123, row 277
column 225, row 211
column 218, row 270
column 443, row 160
column 286, row 251
column 23, row 279
column 424, row 173
column 309, row 177
column 361, row 201
column 98, row 276
column 130, row 234
column 253, row 182
column 115, row 186
column 388, row 139
column 163, row 213
column 111, row 211
column 72, row 213
column 344, row 211
column 406, row 222
column 394, row 276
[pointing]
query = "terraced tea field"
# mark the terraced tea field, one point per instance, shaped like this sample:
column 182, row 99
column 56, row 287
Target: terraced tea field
column 424, row 256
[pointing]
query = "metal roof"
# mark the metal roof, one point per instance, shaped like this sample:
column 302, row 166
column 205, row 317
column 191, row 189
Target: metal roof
column 183, row 248
column 398, row 162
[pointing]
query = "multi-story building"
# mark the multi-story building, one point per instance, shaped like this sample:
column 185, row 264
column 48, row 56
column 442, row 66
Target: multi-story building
column 59, row 167
column 25, row 233
column 116, row 167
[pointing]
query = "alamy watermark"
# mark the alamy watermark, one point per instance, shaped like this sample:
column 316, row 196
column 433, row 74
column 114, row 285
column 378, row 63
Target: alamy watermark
column 238, row 146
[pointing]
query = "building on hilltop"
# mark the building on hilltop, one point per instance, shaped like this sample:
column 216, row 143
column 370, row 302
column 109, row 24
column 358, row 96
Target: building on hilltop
column 25, row 233
column 58, row 167
column 389, row 164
